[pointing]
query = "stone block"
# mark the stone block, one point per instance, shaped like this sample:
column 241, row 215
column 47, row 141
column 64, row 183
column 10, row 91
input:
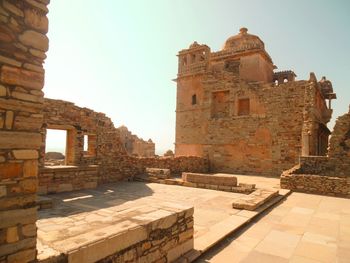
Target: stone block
column 188, row 234
column 11, row 170
column 158, row 172
column 10, row 61
column 12, row 8
column 34, row 39
column 33, row 67
column 12, row 234
column 29, row 230
column 36, row 20
column 22, row 256
column 30, row 168
column 27, row 97
column 17, row 216
column 22, row 77
column 37, row 53
column 7, row 249
column 151, row 257
column 24, row 140
column 9, row 119
column 29, row 186
column 2, row 91
column 126, row 239
column 25, row 154
column 38, row 5
column 179, row 250
column 210, row 179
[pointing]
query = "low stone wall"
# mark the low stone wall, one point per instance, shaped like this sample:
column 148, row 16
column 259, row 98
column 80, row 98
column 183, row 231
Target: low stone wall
column 155, row 235
column 316, row 184
column 213, row 179
column 123, row 167
column 163, row 240
column 56, row 179
column 177, row 165
column 316, row 165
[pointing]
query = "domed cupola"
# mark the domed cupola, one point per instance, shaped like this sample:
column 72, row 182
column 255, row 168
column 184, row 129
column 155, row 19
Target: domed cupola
column 243, row 42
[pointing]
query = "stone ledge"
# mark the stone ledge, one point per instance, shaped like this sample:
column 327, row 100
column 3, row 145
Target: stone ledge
column 213, row 179
column 62, row 168
column 147, row 236
column 257, row 198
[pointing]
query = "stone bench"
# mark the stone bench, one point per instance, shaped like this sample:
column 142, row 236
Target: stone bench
column 210, row 179
column 158, row 172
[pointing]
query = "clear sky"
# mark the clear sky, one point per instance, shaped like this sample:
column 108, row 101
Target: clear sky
column 119, row 57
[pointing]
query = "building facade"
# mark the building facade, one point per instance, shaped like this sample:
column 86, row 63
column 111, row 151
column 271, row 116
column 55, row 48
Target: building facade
column 234, row 109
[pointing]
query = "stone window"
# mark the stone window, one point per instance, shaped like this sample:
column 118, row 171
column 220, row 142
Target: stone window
column 243, row 107
column 60, row 140
column 89, row 145
column 194, row 99
column 220, row 107
column 184, row 61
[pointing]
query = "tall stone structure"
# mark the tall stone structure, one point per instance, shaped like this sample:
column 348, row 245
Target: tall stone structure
column 245, row 118
column 23, row 43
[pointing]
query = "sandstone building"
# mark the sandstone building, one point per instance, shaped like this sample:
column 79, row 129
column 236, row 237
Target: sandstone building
column 135, row 145
column 235, row 110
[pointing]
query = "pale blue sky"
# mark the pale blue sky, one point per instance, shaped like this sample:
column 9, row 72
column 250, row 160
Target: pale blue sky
column 119, row 57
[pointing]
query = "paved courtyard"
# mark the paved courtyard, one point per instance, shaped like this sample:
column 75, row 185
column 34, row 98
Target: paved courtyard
column 102, row 210
column 302, row 229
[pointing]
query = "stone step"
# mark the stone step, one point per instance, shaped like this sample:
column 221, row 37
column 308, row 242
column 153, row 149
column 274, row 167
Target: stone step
column 257, row 198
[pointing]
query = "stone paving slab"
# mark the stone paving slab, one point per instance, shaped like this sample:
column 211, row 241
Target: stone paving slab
column 301, row 228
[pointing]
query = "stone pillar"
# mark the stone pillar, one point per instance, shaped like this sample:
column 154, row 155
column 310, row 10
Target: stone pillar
column 23, row 43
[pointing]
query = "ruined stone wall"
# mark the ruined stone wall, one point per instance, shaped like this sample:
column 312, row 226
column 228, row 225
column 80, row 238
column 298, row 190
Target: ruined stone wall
column 78, row 122
column 23, row 25
column 112, row 161
column 67, row 178
column 328, row 175
column 339, row 145
column 135, row 145
column 314, row 183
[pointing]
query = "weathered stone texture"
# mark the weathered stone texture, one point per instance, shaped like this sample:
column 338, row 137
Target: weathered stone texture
column 66, row 178
column 229, row 109
column 107, row 151
column 328, row 175
column 22, row 28
column 167, row 238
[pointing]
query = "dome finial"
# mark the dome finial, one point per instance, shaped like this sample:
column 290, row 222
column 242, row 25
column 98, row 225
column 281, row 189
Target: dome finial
column 243, row 30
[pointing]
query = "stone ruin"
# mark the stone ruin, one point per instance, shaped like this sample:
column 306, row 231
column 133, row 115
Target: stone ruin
column 226, row 113
column 235, row 110
column 136, row 146
column 329, row 174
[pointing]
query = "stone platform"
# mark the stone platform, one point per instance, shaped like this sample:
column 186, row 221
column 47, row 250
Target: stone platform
column 82, row 221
